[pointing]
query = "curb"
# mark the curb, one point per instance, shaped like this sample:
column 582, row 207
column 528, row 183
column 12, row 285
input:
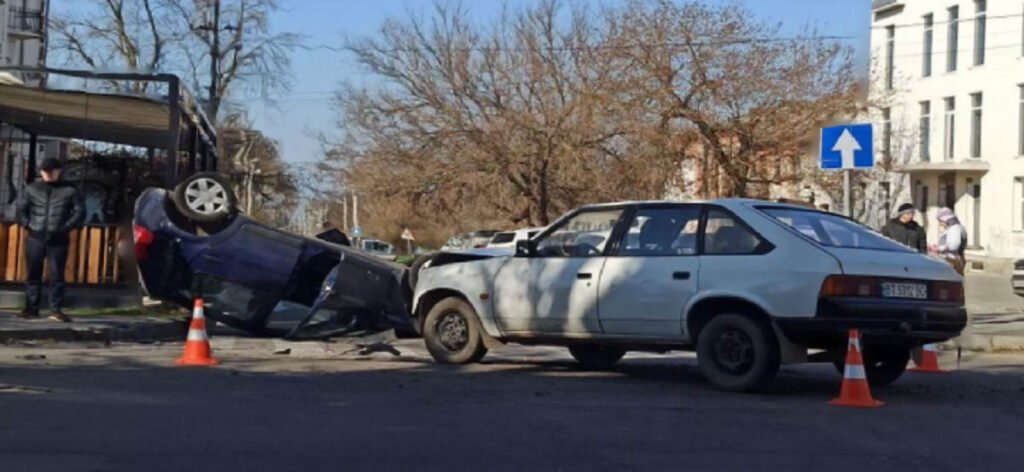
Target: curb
column 986, row 343
column 142, row 331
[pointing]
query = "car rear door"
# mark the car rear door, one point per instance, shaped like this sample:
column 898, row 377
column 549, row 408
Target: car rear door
column 652, row 273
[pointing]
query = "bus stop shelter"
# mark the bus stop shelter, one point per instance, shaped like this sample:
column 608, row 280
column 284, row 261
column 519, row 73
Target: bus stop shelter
column 166, row 128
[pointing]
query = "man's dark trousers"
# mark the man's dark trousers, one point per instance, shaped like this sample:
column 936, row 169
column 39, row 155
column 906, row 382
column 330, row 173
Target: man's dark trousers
column 55, row 250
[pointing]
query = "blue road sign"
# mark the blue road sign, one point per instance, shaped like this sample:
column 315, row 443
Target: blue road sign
column 847, row 147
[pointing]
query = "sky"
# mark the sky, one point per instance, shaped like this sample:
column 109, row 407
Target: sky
column 295, row 118
column 299, row 115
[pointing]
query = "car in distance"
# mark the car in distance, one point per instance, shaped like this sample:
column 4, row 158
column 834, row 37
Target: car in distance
column 508, row 239
column 192, row 242
column 470, row 240
column 749, row 285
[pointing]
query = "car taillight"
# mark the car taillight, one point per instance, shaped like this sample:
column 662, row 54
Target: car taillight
column 850, row 286
column 143, row 238
column 947, row 292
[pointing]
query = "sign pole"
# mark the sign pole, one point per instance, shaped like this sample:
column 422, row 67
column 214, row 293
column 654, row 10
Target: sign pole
column 847, row 193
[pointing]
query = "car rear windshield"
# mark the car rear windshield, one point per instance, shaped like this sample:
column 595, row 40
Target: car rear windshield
column 503, row 238
column 832, row 230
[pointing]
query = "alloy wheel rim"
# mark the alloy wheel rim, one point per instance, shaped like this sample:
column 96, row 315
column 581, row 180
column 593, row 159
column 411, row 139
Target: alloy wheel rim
column 206, row 196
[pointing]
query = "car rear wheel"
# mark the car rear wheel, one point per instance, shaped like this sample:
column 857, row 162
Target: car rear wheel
column 452, row 333
column 737, row 353
column 596, row 357
column 205, row 197
column 883, row 365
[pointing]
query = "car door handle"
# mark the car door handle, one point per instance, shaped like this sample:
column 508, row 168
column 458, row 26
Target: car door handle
column 583, row 276
column 680, row 276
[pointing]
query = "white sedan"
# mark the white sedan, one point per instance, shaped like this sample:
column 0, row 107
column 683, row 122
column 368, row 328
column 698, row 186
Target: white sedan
column 748, row 284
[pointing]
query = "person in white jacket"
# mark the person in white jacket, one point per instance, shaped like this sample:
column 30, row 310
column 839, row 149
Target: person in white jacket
column 953, row 240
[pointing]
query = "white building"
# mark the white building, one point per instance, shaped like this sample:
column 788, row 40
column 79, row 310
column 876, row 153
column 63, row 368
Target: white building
column 947, row 94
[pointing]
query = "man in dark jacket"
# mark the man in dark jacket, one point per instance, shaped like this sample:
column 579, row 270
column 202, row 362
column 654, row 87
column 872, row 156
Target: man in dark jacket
column 49, row 209
column 904, row 230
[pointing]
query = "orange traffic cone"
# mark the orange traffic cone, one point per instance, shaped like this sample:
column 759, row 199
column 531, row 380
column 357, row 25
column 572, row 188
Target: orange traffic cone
column 197, row 345
column 929, row 361
column 855, row 391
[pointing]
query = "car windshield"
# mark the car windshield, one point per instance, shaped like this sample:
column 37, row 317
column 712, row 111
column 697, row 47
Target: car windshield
column 503, row 238
column 832, row 230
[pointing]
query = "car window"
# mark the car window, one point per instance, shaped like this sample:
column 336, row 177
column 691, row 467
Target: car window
column 833, row 230
column 724, row 235
column 662, row 232
column 503, row 238
column 585, row 234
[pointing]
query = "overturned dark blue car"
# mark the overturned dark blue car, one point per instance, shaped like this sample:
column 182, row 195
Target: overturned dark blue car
column 192, row 242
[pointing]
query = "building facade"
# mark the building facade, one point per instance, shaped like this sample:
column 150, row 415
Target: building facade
column 947, row 104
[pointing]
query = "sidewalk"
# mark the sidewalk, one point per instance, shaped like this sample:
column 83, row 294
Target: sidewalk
column 93, row 328
column 996, row 315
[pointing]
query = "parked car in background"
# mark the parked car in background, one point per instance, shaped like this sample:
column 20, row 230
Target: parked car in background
column 470, row 240
column 718, row 278
column 192, row 242
column 1017, row 279
column 508, row 239
column 378, row 248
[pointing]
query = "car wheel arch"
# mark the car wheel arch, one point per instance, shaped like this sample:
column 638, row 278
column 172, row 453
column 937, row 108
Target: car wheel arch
column 702, row 311
column 429, row 299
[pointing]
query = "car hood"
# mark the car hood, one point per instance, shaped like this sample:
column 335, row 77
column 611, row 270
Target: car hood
column 893, row 264
column 466, row 255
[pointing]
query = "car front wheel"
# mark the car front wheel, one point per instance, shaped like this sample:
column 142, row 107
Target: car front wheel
column 737, row 353
column 596, row 357
column 452, row 333
column 205, row 197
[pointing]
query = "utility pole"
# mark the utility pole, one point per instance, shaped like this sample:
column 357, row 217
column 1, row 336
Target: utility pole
column 214, row 102
column 344, row 213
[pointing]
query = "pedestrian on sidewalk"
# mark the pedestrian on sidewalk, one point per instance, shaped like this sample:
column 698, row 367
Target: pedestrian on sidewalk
column 952, row 241
column 49, row 209
column 904, row 230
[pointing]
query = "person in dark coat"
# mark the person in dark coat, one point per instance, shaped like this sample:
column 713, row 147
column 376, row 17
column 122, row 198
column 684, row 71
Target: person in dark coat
column 904, row 230
column 49, row 209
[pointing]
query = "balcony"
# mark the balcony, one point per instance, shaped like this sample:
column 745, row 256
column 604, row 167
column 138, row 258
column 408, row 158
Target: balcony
column 25, row 22
column 881, row 6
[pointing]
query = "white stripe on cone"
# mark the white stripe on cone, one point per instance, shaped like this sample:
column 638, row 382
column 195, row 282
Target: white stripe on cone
column 197, row 335
column 854, row 372
column 929, row 348
column 854, row 344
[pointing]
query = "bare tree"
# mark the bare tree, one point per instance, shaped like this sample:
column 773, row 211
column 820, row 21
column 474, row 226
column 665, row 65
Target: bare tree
column 223, row 47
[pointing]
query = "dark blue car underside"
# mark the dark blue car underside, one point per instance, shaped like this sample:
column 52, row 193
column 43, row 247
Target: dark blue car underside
column 265, row 281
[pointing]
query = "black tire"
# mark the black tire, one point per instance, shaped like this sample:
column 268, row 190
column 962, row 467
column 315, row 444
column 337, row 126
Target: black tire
column 737, row 353
column 206, row 198
column 416, row 266
column 452, row 333
column 883, row 365
column 593, row 356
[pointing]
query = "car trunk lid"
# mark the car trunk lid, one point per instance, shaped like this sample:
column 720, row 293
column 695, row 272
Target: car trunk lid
column 903, row 265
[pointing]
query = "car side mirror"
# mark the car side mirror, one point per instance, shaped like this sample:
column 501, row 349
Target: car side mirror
column 525, row 248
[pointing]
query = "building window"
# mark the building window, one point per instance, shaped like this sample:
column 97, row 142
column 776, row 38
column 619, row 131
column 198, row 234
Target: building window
column 886, row 135
column 979, row 31
column 890, row 50
column 1018, row 204
column 926, row 57
column 950, row 128
column 976, row 125
column 952, row 38
column 1020, row 123
column 925, row 133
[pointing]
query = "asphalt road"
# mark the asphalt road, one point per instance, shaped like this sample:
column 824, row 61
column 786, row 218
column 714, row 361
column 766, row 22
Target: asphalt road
column 327, row 407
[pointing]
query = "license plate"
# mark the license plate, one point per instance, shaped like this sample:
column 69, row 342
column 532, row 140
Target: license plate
column 896, row 290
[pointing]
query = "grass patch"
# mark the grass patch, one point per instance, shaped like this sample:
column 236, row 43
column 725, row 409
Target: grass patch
column 158, row 310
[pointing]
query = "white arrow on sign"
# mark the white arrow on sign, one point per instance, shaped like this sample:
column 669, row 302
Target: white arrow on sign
column 847, row 146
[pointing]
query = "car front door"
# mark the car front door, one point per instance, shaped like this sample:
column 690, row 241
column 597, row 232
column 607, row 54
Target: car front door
column 554, row 291
column 652, row 274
